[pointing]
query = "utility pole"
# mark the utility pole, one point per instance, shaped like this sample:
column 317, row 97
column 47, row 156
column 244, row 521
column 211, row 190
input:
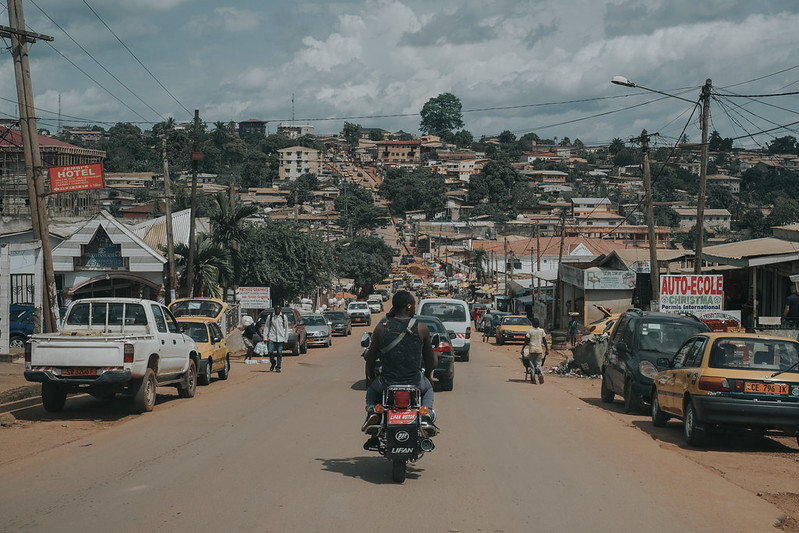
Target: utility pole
column 654, row 269
column 33, row 157
column 538, row 261
column 195, row 162
column 170, row 239
column 556, row 306
column 700, row 203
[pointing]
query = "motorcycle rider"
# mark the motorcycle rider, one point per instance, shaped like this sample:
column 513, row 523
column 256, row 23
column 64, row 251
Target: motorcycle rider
column 401, row 363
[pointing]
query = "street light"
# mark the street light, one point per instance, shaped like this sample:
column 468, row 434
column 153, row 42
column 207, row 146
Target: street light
column 704, row 98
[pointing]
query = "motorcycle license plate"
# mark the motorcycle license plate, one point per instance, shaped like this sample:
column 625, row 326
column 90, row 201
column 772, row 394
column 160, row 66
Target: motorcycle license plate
column 74, row 372
column 402, row 417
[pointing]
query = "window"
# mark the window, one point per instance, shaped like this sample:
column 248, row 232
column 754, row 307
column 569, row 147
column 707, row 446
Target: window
column 694, row 358
column 158, row 316
column 171, row 321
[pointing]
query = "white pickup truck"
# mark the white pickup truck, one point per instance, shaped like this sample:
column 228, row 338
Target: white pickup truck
column 113, row 345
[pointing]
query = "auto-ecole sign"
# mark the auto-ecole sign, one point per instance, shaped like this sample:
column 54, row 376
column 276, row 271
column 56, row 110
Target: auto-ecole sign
column 691, row 294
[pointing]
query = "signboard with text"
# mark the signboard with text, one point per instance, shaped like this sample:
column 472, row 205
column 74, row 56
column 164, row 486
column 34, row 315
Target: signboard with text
column 76, row 178
column 695, row 294
column 254, row 297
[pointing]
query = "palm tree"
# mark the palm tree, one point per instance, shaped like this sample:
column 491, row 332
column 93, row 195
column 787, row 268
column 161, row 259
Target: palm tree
column 212, row 266
column 227, row 229
column 479, row 258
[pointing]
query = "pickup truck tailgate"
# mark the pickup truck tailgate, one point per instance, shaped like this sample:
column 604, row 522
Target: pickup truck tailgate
column 76, row 351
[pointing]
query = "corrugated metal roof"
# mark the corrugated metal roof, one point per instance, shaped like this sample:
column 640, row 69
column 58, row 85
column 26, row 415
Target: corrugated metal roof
column 634, row 255
column 752, row 248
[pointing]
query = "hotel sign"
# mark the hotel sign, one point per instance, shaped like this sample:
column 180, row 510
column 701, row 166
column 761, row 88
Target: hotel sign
column 76, row 178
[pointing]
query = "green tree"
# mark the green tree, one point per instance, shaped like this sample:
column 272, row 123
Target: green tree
column 357, row 209
column 212, row 266
column 227, row 229
column 479, row 260
column 292, row 262
column 375, row 135
column 616, row 146
column 625, row 157
column 419, row 189
column 666, row 216
column 367, row 260
column 441, row 114
column 302, row 189
column 352, row 133
column 717, row 144
column 464, row 139
column 783, row 145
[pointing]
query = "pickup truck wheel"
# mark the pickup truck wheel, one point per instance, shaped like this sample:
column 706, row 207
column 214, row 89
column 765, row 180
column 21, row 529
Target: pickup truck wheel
column 223, row 374
column 53, row 397
column 205, row 377
column 188, row 389
column 144, row 398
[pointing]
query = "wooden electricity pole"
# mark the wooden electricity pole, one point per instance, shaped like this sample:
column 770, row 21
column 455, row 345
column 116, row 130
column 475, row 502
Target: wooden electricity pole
column 654, row 270
column 33, row 157
column 170, row 239
column 700, row 203
column 556, row 303
column 195, row 162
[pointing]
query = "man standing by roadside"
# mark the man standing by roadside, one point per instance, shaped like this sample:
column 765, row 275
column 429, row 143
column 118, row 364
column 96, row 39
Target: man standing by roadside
column 536, row 344
column 276, row 332
column 791, row 313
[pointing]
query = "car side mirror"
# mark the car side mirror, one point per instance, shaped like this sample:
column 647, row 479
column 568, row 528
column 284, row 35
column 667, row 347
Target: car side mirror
column 366, row 339
column 435, row 340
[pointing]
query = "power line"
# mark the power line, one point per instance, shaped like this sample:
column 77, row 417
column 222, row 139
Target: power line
column 136, row 58
column 96, row 61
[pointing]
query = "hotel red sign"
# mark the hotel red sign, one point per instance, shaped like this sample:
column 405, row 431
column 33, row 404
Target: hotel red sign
column 76, row 178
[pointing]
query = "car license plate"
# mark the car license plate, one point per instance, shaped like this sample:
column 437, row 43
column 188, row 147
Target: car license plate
column 766, row 388
column 74, row 372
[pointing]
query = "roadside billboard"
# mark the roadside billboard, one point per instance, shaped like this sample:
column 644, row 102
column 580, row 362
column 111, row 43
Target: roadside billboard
column 254, row 297
column 694, row 294
column 76, row 178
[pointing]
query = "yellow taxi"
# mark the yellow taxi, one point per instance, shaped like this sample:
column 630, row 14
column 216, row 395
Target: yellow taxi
column 512, row 328
column 719, row 380
column 604, row 324
column 211, row 344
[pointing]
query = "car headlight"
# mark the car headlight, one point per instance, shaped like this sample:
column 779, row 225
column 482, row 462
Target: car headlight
column 648, row 370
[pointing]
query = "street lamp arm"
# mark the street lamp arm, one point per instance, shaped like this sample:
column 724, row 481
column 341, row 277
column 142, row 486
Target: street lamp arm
column 624, row 82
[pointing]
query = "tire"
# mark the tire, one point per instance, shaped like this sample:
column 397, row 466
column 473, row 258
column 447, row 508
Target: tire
column 632, row 403
column 205, row 377
column 144, row 397
column 694, row 435
column 190, row 388
column 659, row 418
column 465, row 356
column 304, row 347
column 295, row 350
column 223, row 374
column 398, row 470
column 17, row 341
column 447, row 383
column 499, row 341
column 53, row 397
column 606, row 394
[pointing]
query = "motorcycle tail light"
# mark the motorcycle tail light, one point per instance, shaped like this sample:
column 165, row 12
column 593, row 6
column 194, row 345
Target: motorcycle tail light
column 380, row 409
column 468, row 332
column 402, row 398
column 128, row 354
column 714, row 384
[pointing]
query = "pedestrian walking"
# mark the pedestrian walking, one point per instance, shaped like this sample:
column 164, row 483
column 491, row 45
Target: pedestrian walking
column 276, row 333
column 573, row 331
column 250, row 336
column 535, row 350
column 486, row 321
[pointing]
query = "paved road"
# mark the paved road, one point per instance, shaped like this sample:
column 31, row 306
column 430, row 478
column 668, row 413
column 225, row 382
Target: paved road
column 282, row 452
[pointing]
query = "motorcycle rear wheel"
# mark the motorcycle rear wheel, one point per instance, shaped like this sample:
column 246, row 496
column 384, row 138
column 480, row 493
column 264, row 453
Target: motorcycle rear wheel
column 398, row 470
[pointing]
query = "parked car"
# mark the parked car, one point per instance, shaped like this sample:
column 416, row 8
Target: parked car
column 719, row 380
column 319, row 331
column 297, row 342
column 407, row 259
column 339, row 322
column 444, row 373
column 454, row 314
column 375, row 303
column 642, row 344
column 20, row 324
column 385, row 294
column 496, row 318
column 359, row 313
column 211, row 345
column 604, row 324
column 512, row 328
column 416, row 283
column 207, row 307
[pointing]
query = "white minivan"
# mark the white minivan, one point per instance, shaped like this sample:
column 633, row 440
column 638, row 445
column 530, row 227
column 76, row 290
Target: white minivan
column 456, row 318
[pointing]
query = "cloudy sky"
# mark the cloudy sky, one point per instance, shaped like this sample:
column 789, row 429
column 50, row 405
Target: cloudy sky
column 523, row 66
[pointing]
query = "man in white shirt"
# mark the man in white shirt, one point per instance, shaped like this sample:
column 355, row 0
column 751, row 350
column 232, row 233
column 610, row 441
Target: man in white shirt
column 536, row 345
column 276, row 332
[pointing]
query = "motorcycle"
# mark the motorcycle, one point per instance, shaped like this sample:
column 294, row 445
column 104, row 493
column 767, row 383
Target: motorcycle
column 404, row 431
